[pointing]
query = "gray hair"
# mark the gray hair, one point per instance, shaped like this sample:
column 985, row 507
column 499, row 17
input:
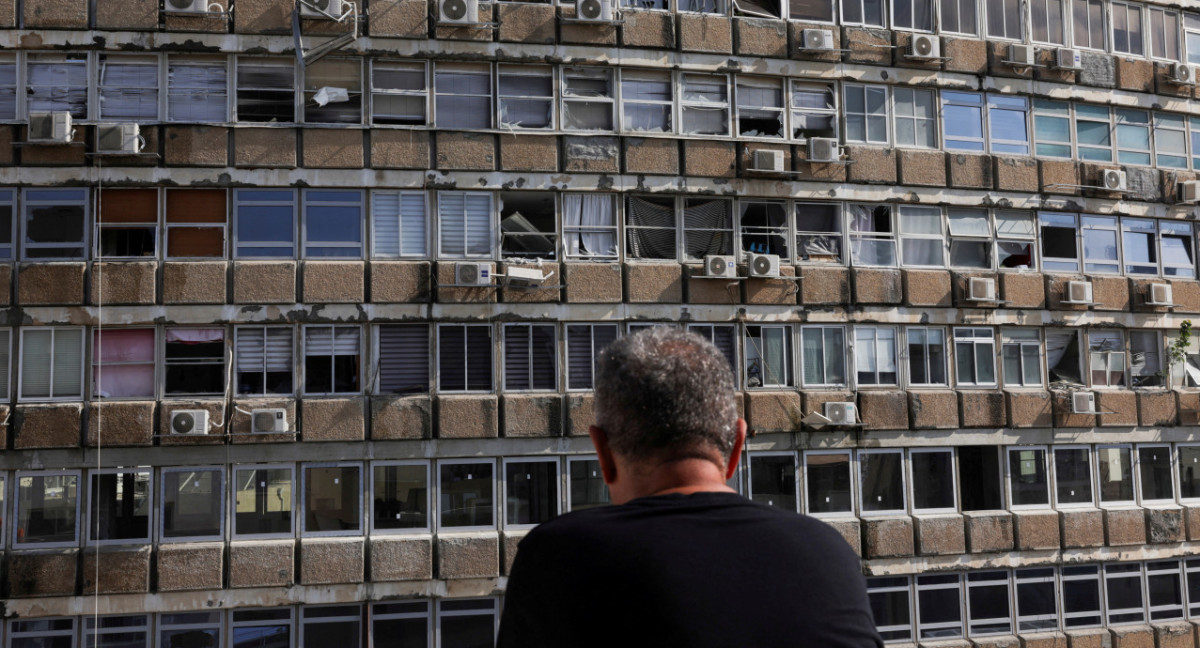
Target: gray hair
column 665, row 391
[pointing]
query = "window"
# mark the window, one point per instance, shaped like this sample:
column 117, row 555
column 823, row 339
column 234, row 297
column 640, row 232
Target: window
column 1192, row 569
column 398, row 224
column 194, row 361
column 819, row 233
column 1100, row 252
column 128, row 224
column 650, row 227
column 1106, row 358
column 1004, row 19
column 42, row 633
column 939, row 606
column 915, row 115
column 1047, row 16
column 704, row 104
column 128, row 88
column 526, row 96
column 988, row 609
column 465, row 495
column 962, row 119
column 467, row 622
column 586, row 485
column 328, row 625
column 584, row 344
column 125, row 631
column 862, row 12
column 1145, row 359
column 912, row 14
column 8, row 210
column 588, row 99
column 1164, row 589
column 759, row 107
column 123, row 363
column 528, row 225
column 179, row 628
column 1114, row 467
column 1154, row 474
column 332, row 359
column 646, row 101
column 1008, row 125
column 707, row 227
column 1015, row 240
column 975, row 356
column 875, row 355
column 881, row 481
column 333, row 224
column 891, row 606
column 1093, row 132
column 1037, row 604
column 465, row 229
column 47, row 509
column 462, row 96
column 403, row 357
column 196, row 90
column 811, row 10
column 764, row 227
column 823, row 355
column 872, row 235
column 932, row 481
column 922, row 237
column 248, row 627
column 1189, row 475
column 1063, row 359
column 1088, row 24
column 5, row 389
column 1133, row 136
column 768, row 356
column 866, row 114
column 1170, row 141
column 264, row 360
column 1127, row 29
column 1021, row 353
column 1028, row 478
column 51, row 363
column 529, row 357
column 192, row 503
column 590, row 226
column 1052, row 128
column 195, row 223
column 1073, row 476
column 57, row 83
column 1060, row 247
column 265, row 222
column 828, row 483
column 773, row 480
column 464, row 357
column 405, row 624
column 263, row 499
column 266, row 90
column 56, row 224
column 8, row 88
column 1178, row 251
column 704, row 6
column 333, row 91
column 1081, row 596
column 332, row 499
column 1123, row 593
column 814, row 110
column 926, row 356
column 958, row 17
column 400, row 496
column 530, row 492
column 399, row 93
column 1141, row 251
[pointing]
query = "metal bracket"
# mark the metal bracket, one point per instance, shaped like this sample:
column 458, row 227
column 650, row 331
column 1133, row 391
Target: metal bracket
column 571, row 21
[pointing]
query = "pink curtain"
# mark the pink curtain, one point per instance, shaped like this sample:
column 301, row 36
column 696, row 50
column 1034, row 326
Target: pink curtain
column 124, row 363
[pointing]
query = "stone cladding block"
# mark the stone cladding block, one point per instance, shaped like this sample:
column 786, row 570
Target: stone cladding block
column 814, row 401
column 196, row 146
column 216, row 410
column 264, row 282
column 1081, row 528
column 750, row 149
column 926, row 288
column 877, row 286
column 194, row 282
column 475, row 555
column 468, row 417
column 1064, row 414
column 1122, row 404
column 651, row 156
column 1157, row 409
column 1016, row 174
column 1164, row 85
column 120, row 423
column 54, row 154
column 1143, row 184
column 772, row 291
column 448, row 292
column 813, row 171
column 1191, row 517
column 701, row 290
column 1001, row 641
column 6, row 132
column 700, row 32
column 1047, row 58
column 763, row 37
column 773, row 411
column 883, row 410
column 8, row 13
column 848, row 528
column 150, row 134
column 465, row 151
column 933, row 410
column 399, row 18
column 584, row 33
column 593, row 283
column 967, row 171
column 960, row 283
column 865, row 45
column 401, row 417
column 55, row 14
column 998, row 53
column 263, row 17
column 1186, row 295
column 1189, row 407
column 592, row 154
column 1023, row 289
column 1139, row 292
column 654, row 29
column 1173, row 635
column 580, row 414
column 709, row 158
column 190, row 566
column 241, row 424
column 1090, row 638
column 1056, row 289
column 939, row 535
column 268, row 563
column 1044, row 640
column 333, row 148
column 264, row 147
column 967, row 55
column 923, row 168
column 334, row 282
column 508, row 546
column 654, row 283
column 332, row 419
column 1124, row 527
column 6, row 281
column 400, row 282
column 887, row 537
column 532, row 415
column 1059, row 177
column 901, row 43
column 43, row 573
column 1135, row 75
column 872, row 164
column 796, row 41
column 1170, row 183
column 200, row 22
column 122, row 570
column 824, row 286
column 989, row 531
column 487, row 13
column 981, row 409
column 1165, row 525
column 529, row 152
column 401, row 558
column 123, row 282
column 1033, row 530
column 522, row 22
column 399, row 149
column 549, row 294
column 1137, row 636
column 4, row 416
column 50, row 283
column 48, row 426
column 331, row 560
column 1029, row 409
column 1092, row 175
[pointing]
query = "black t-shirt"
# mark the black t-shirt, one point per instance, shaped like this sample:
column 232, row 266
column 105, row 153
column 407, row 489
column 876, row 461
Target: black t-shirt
column 693, row 571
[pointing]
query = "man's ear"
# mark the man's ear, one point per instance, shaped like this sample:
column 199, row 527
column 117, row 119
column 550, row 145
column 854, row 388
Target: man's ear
column 735, row 455
column 604, row 453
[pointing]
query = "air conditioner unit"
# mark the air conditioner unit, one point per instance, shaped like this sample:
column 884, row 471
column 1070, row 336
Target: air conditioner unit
column 1159, row 294
column 719, row 265
column 981, row 289
column 925, row 46
column 841, row 413
column 1083, row 403
column 1077, row 292
column 327, row 9
column 269, row 420
column 768, row 161
column 818, row 39
column 50, row 127
column 1183, row 74
column 118, row 138
column 764, row 265
column 189, row 422
column 458, row 11
column 594, row 10
column 473, row 274
column 1068, row 59
column 187, row 6
column 523, row 277
column 1022, row 55
column 823, row 149
column 1188, row 191
column 1114, row 180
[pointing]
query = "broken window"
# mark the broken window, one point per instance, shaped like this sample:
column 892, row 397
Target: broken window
column 962, row 121
column 1170, row 141
column 1145, row 359
column 1178, row 251
column 1106, row 358
column 1052, row 128
column 590, row 225
column 584, row 344
column 262, row 501
column 916, row 117
column 193, row 503
column 872, row 235
column 1133, row 136
column 194, row 361
column 526, row 96
column 1114, row 467
column 926, row 356
column 959, row 17
column 979, row 478
column 1093, row 132
column 55, row 224
column 195, row 223
column 773, row 480
column 1047, row 17
column 650, row 226
column 128, row 223
column 1123, row 591
column 1021, row 352
column 1186, row 373
column 265, row 222
column 916, row 15
column 465, row 229
column 891, row 607
column 333, row 224
column 1081, row 596
column 530, row 358
column 333, row 91
column 1008, row 124
column 819, row 233
column 398, row 224
column 399, row 93
column 465, row 495
column 1015, row 240
column 119, row 506
column 811, row 10
column 759, row 107
column 823, row 355
column 464, row 358
column 989, row 611
column 123, row 363
column 1088, row 24
column 1100, row 252
column 332, row 359
column 922, row 239
column 875, row 355
column 975, row 356
column 707, row 227
column 827, row 477
column 1127, row 29
column 1073, row 476
column 932, row 480
column 8, row 88
column 128, row 88
column 1154, row 473
column 1005, row 19
column 1028, row 478
column 57, row 83
column 1060, row 245
column 764, row 228
column 970, row 238
column 403, row 357
column 881, row 481
column 866, row 114
column 527, row 225
column 646, row 101
column 814, row 110
column 462, row 96
column 704, row 104
column 1164, row 590
column 586, row 485
column 400, row 497
column 1063, row 360
column 530, row 492
column 266, row 90
column 51, row 363
column 866, row 13
column 332, row 499
column 264, row 360
column 47, row 508
column 769, row 356
column 196, row 90
column 587, row 98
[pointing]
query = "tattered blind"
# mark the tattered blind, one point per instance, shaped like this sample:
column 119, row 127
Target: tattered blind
column 399, row 223
column 465, row 224
column 196, row 92
column 8, row 91
column 584, row 343
column 58, row 85
column 128, row 90
column 529, row 357
column 403, row 358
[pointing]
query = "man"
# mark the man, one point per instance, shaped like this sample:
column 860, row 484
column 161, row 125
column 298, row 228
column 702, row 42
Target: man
column 681, row 559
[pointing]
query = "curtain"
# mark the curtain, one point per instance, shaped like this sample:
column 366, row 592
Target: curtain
column 651, row 229
column 707, row 228
column 590, row 224
column 195, row 335
column 124, row 362
column 1062, row 356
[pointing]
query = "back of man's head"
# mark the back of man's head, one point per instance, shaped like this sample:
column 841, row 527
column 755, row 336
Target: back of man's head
column 664, row 393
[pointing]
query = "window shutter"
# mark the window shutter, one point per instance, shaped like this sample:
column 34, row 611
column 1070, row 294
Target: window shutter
column 725, row 339
column 385, row 211
column 128, row 91
column 451, row 223
column 345, row 341
column 250, row 352
column 516, row 357
column 452, row 370
column 579, row 356
column 35, row 363
column 543, row 370
column 403, row 358
column 479, row 225
column 68, row 363
column 479, row 358
column 279, row 349
column 412, row 224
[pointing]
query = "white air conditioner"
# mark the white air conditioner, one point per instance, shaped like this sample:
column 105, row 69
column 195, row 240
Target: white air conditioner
column 523, row 277
column 118, row 138
column 1067, row 58
column 719, row 265
column 594, row 10
column 50, row 127
column 1077, row 292
column 768, row 161
column 841, row 413
column 268, row 420
column 818, row 39
column 981, row 289
column 764, row 265
column 1114, row 180
column 1083, row 403
column 473, row 274
column 189, row 422
column 1159, row 294
column 458, row 11
column 1188, row 191
column 1022, row 55
column 327, row 9
column 823, row 149
column 924, row 46
column 187, row 6
column 1183, row 74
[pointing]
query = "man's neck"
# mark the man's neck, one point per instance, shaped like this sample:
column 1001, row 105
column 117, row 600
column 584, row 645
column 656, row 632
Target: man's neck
column 683, row 476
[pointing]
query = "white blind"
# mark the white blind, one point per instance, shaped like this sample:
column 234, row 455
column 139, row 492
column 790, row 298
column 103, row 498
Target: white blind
column 403, row 358
column 35, row 364
column 68, row 363
column 264, row 349
column 399, row 220
column 128, row 90
column 327, row 341
column 58, row 85
column 196, row 92
column 465, row 222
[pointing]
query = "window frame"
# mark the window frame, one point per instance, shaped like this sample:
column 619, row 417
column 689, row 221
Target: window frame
column 437, row 366
column 566, row 99
column 425, row 95
column 930, row 123
column 635, row 75
column 903, row 475
column 1087, row 16
column 290, row 622
column 429, row 498
column 1010, row 491
column 867, row 116
column 1022, row 345
column 840, row 328
column 91, row 521
column 1133, row 485
column 1091, row 475
column 265, row 62
column 883, row 585
column 1089, row 573
column 304, row 355
column 493, row 225
column 168, row 225
column 1050, row 109
column 530, row 359
column 873, row 354
column 443, row 614
column 980, row 579
column 1124, row 616
column 222, row 513
column 293, row 500
column 788, row 361
column 18, row 541
column 440, row 514
column 305, row 242
column 28, row 202
column 912, row 481
column 374, row 217
column 484, row 70
column 1161, row 568
column 266, row 333
column 1037, row 622
column 238, row 203
column 851, row 479
column 975, row 340
column 1179, row 483
column 303, row 529
column 1005, row 36
column 1139, row 467
column 152, row 62
column 926, row 357
column 519, row 70
column 556, row 466
column 1129, row 8
column 937, row 630
column 748, row 462
column 1109, row 356
column 166, row 362
column 23, row 365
